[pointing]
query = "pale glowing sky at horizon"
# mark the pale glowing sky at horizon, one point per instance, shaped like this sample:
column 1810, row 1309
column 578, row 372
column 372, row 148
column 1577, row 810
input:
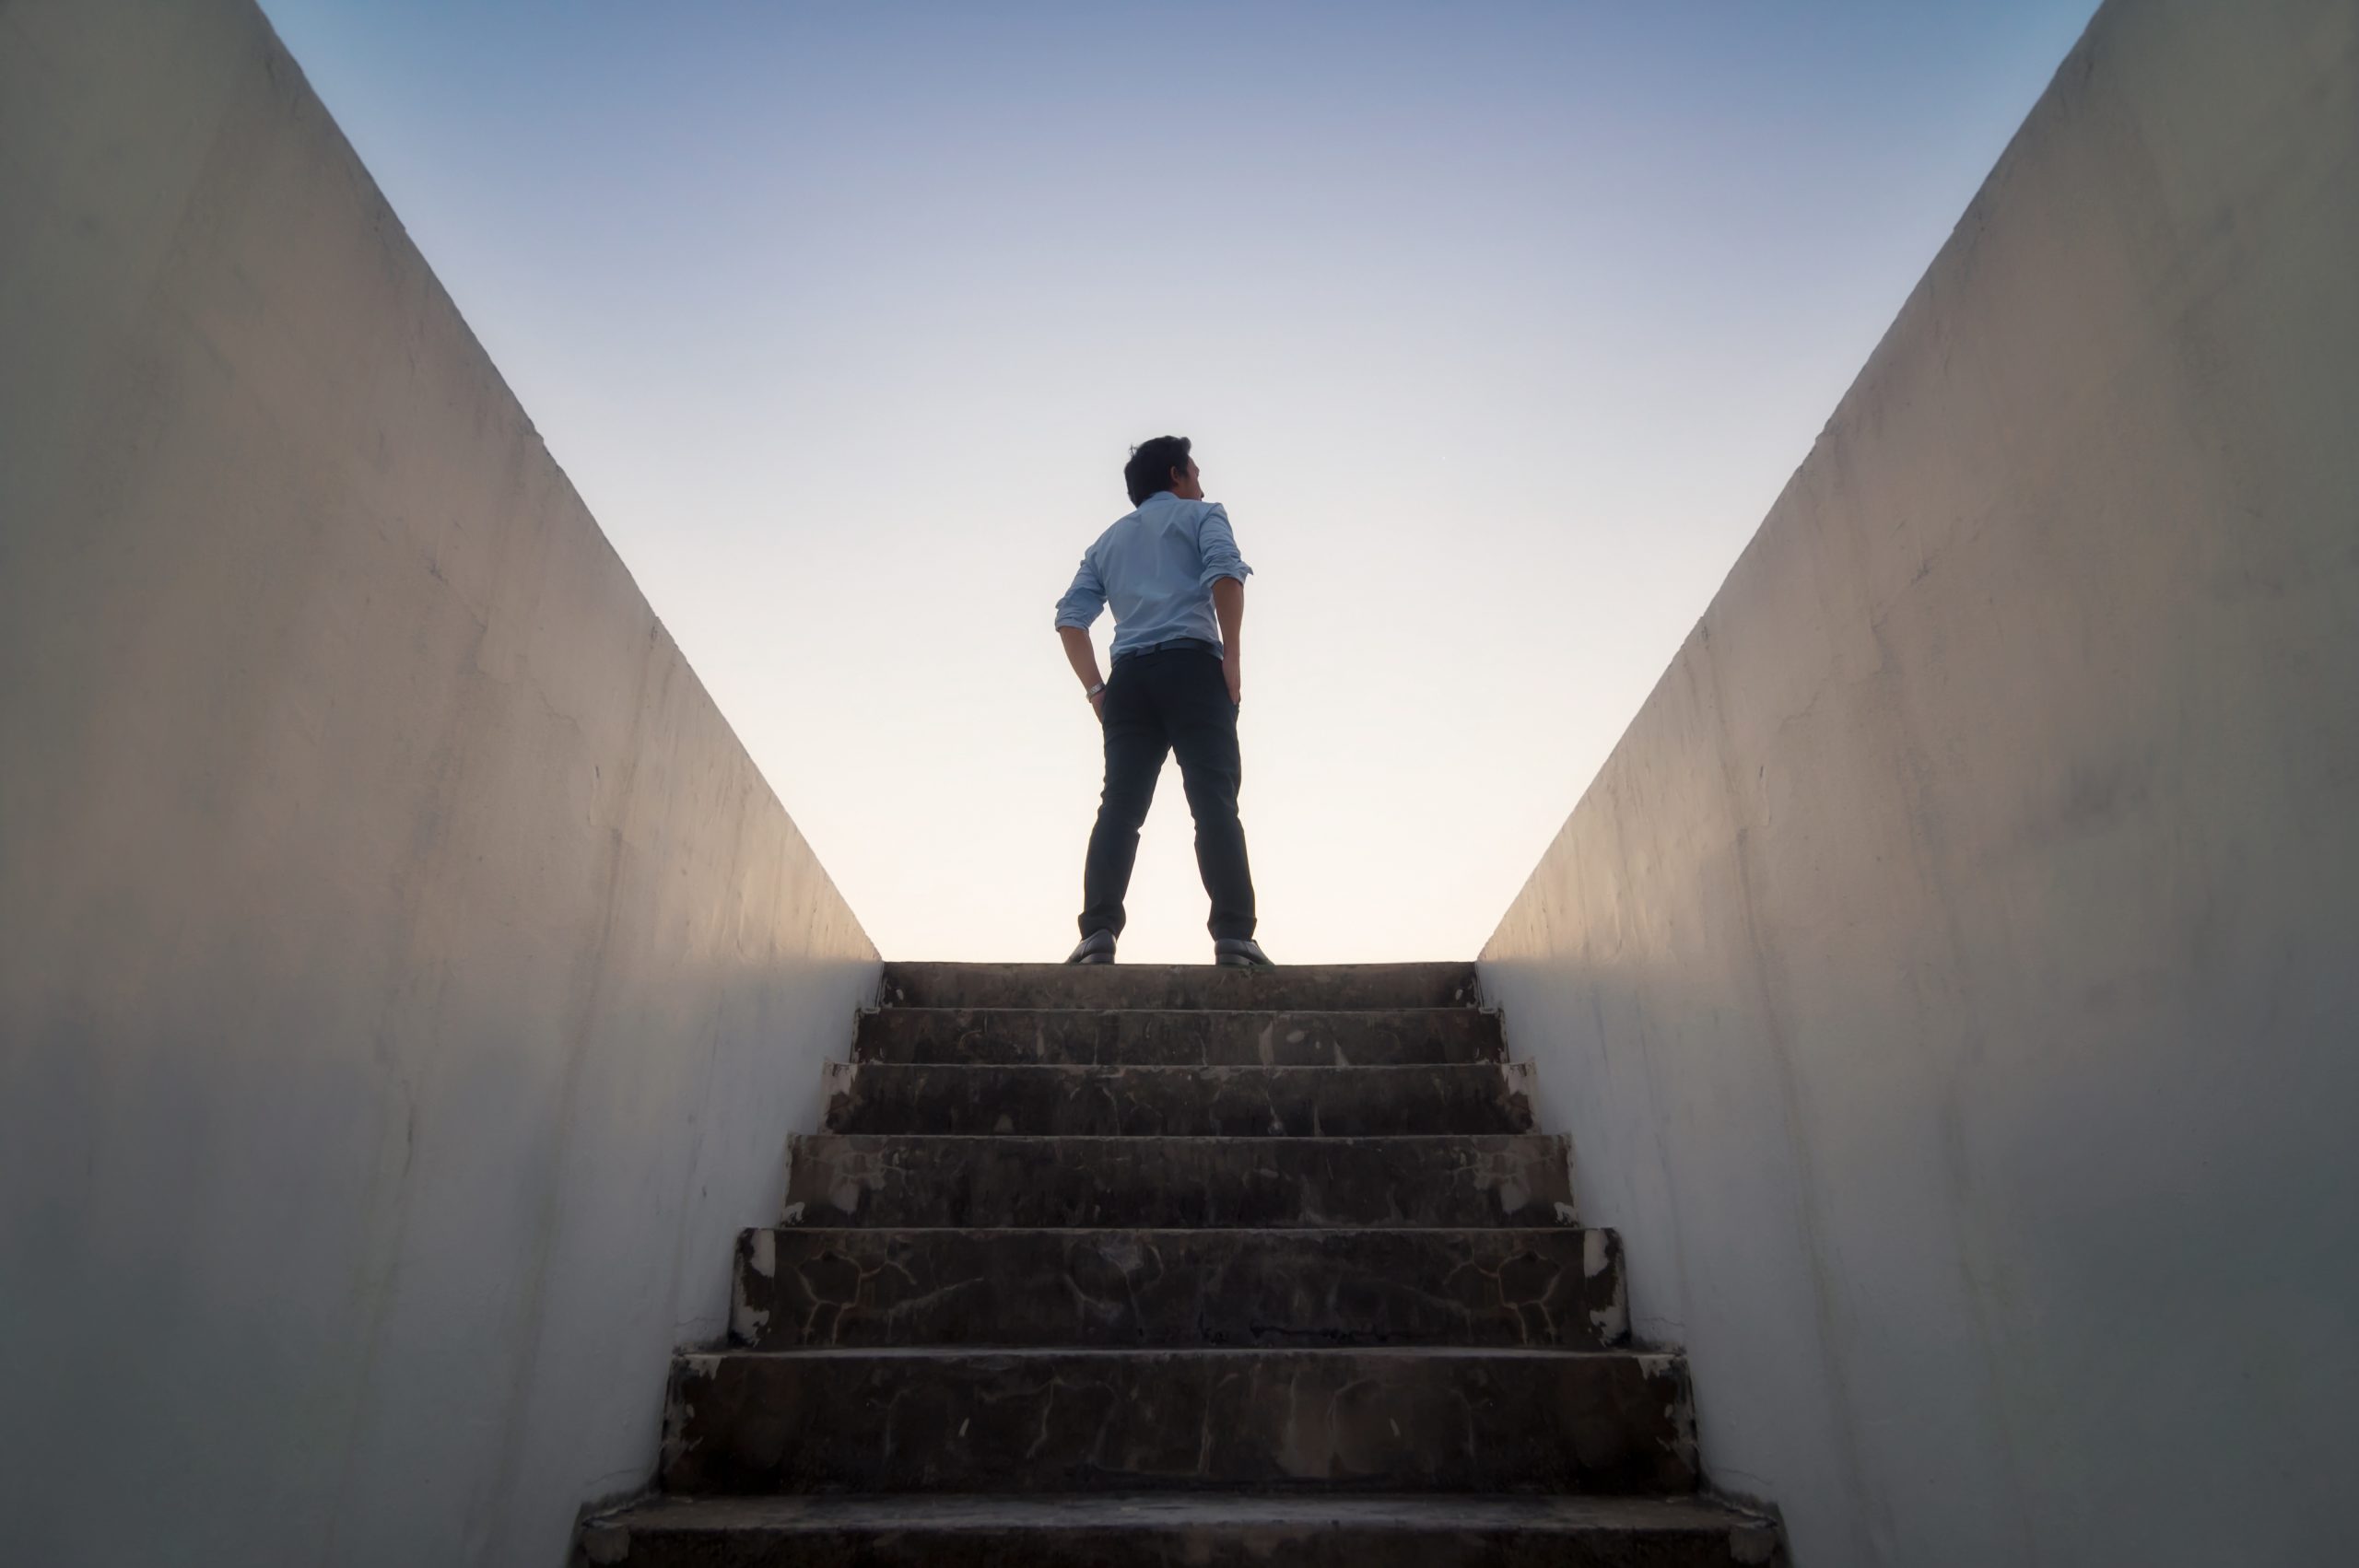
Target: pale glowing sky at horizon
column 1497, row 327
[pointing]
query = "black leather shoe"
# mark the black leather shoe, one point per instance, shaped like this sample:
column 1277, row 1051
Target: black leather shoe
column 1241, row 952
column 1098, row 947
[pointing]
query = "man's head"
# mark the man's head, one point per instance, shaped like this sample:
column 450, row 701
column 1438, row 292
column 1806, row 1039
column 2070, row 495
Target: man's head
column 1162, row 463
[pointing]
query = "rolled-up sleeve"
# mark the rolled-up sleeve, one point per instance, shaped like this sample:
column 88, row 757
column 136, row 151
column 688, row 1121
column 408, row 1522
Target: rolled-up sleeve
column 1217, row 542
column 1083, row 600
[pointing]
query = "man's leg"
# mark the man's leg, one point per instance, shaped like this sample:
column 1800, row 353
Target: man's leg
column 1135, row 748
column 1204, row 733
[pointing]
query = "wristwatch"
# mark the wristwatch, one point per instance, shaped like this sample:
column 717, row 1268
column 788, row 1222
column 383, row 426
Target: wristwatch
column 1093, row 691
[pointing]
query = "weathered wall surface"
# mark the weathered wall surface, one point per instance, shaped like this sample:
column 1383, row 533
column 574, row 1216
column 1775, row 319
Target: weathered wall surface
column 1950, row 980
column 406, row 981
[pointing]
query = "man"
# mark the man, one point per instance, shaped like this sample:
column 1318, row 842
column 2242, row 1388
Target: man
column 1171, row 570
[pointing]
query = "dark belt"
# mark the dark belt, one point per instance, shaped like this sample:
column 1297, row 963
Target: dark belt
column 1177, row 642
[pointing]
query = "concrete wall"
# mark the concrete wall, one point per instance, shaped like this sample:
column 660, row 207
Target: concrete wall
column 406, row 982
column 1952, row 980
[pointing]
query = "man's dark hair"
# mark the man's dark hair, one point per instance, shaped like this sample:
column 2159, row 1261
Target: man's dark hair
column 1151, row 463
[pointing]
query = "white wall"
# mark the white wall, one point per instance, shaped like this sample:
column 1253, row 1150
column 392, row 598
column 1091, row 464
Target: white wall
column 406, row 982
column 1952, row 980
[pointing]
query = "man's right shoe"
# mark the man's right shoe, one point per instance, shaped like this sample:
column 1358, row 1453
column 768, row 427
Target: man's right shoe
column 1241, row 952
column 1098, row 947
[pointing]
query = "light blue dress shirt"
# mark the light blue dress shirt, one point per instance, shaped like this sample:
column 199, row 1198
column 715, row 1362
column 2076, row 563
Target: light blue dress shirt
column 1156, row 567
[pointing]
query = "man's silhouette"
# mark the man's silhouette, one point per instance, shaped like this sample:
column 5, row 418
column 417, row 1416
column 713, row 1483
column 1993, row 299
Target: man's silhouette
column 1171, row 571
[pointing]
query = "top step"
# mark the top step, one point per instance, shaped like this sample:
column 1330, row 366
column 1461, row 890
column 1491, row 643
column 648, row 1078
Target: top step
column 1326, row 988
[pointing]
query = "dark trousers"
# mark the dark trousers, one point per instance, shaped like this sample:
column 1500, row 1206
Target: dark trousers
column 1171, row 700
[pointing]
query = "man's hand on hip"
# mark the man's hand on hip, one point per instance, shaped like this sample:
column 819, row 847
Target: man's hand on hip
column 1228, row 608
column 1083, row 659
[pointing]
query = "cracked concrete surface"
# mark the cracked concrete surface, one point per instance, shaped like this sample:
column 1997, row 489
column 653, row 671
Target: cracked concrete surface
column 1440, row 1179
column 1179, row 1037
column 1121, row 1287
column 1422, row 1419
column 1133, row 1101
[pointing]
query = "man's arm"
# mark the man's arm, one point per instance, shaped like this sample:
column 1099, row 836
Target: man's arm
column 1224, row 572
column 1229, row 605
column 1081, row 604
column 1083, row 659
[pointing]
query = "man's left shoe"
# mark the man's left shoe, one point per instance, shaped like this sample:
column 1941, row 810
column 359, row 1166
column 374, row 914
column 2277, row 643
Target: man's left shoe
column 1098, row 947
column 1241, row 952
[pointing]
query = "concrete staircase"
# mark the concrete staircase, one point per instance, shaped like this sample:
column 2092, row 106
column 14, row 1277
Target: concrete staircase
column 1179, row 1266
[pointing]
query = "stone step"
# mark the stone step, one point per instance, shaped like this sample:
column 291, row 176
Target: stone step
column 909, row 1181
column 1197, row 1102
column 1555, row 1288
column 1217, row 1530
column 1286, row 988
column 1180, row 1038
column 1068, row 1419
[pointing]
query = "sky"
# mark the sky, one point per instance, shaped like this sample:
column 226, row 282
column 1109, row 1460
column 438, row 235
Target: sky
column 1497, row 328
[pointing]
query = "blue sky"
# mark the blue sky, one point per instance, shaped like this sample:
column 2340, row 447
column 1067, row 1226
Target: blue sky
column 1497, row 328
